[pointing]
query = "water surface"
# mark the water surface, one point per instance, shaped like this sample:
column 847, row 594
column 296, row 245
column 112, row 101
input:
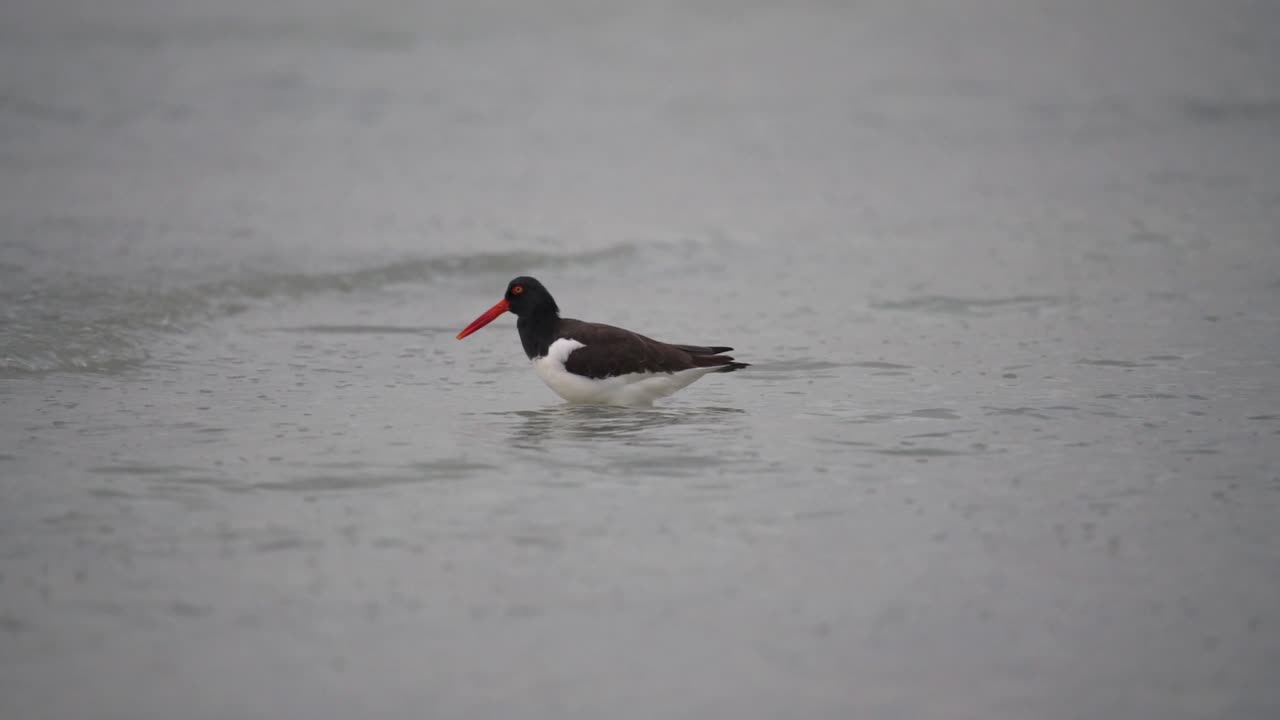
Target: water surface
column 1008, row 275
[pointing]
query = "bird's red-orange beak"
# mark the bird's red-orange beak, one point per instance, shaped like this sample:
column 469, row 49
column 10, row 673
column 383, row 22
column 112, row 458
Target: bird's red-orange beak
column 489, row 316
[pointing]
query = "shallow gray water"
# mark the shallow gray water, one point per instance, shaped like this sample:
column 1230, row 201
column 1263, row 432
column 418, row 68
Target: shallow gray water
column 1008, row 272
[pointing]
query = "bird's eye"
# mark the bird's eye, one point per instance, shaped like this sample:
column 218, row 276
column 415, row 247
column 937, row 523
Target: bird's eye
column 517, row 290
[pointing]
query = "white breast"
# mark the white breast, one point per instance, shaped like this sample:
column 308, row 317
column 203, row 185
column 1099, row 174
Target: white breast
column 631, row 389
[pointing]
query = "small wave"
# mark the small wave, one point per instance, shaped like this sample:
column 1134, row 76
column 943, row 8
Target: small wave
column 1103, row 362
column 96, row 325
column 1212, row 111
column 367, row 330
column 972, row 307
column 39, row 348
column 406, row 271
column 921, row 452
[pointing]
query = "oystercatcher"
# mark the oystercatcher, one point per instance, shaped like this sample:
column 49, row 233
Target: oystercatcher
column 599, row 364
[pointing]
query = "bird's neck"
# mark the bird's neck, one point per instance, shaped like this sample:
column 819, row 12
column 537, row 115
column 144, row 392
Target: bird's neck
column 537, row 331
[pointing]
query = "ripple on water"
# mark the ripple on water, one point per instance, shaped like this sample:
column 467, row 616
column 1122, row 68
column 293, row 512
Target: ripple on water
column 367, row 476
column 367, row 330
column 941, row 434
column 1017, row 412
column 141, row 469
column 933, row 414
column 921, row 452
column 1103, row 362
column 970, row 307
column 179, row 483
column 676, row 465
column 589, row 422
column 104, row 325
column 921, row 414
column 810, row 365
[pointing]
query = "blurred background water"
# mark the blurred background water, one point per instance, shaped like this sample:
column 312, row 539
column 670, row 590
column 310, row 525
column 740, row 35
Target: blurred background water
column 1008, row 272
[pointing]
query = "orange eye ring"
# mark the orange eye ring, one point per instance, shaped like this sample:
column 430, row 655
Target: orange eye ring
column 517, row 290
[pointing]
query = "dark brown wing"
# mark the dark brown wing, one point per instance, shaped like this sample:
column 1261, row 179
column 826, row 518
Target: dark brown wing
column 611, row 351
column 700, row 350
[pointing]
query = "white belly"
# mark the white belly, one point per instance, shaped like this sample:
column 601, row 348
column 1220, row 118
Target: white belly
column 632, row 389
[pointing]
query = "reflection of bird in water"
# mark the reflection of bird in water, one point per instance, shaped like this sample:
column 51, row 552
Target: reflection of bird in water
column 587, row 422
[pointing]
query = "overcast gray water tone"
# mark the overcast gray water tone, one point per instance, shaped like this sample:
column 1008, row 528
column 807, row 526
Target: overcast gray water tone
column 1008, row 273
